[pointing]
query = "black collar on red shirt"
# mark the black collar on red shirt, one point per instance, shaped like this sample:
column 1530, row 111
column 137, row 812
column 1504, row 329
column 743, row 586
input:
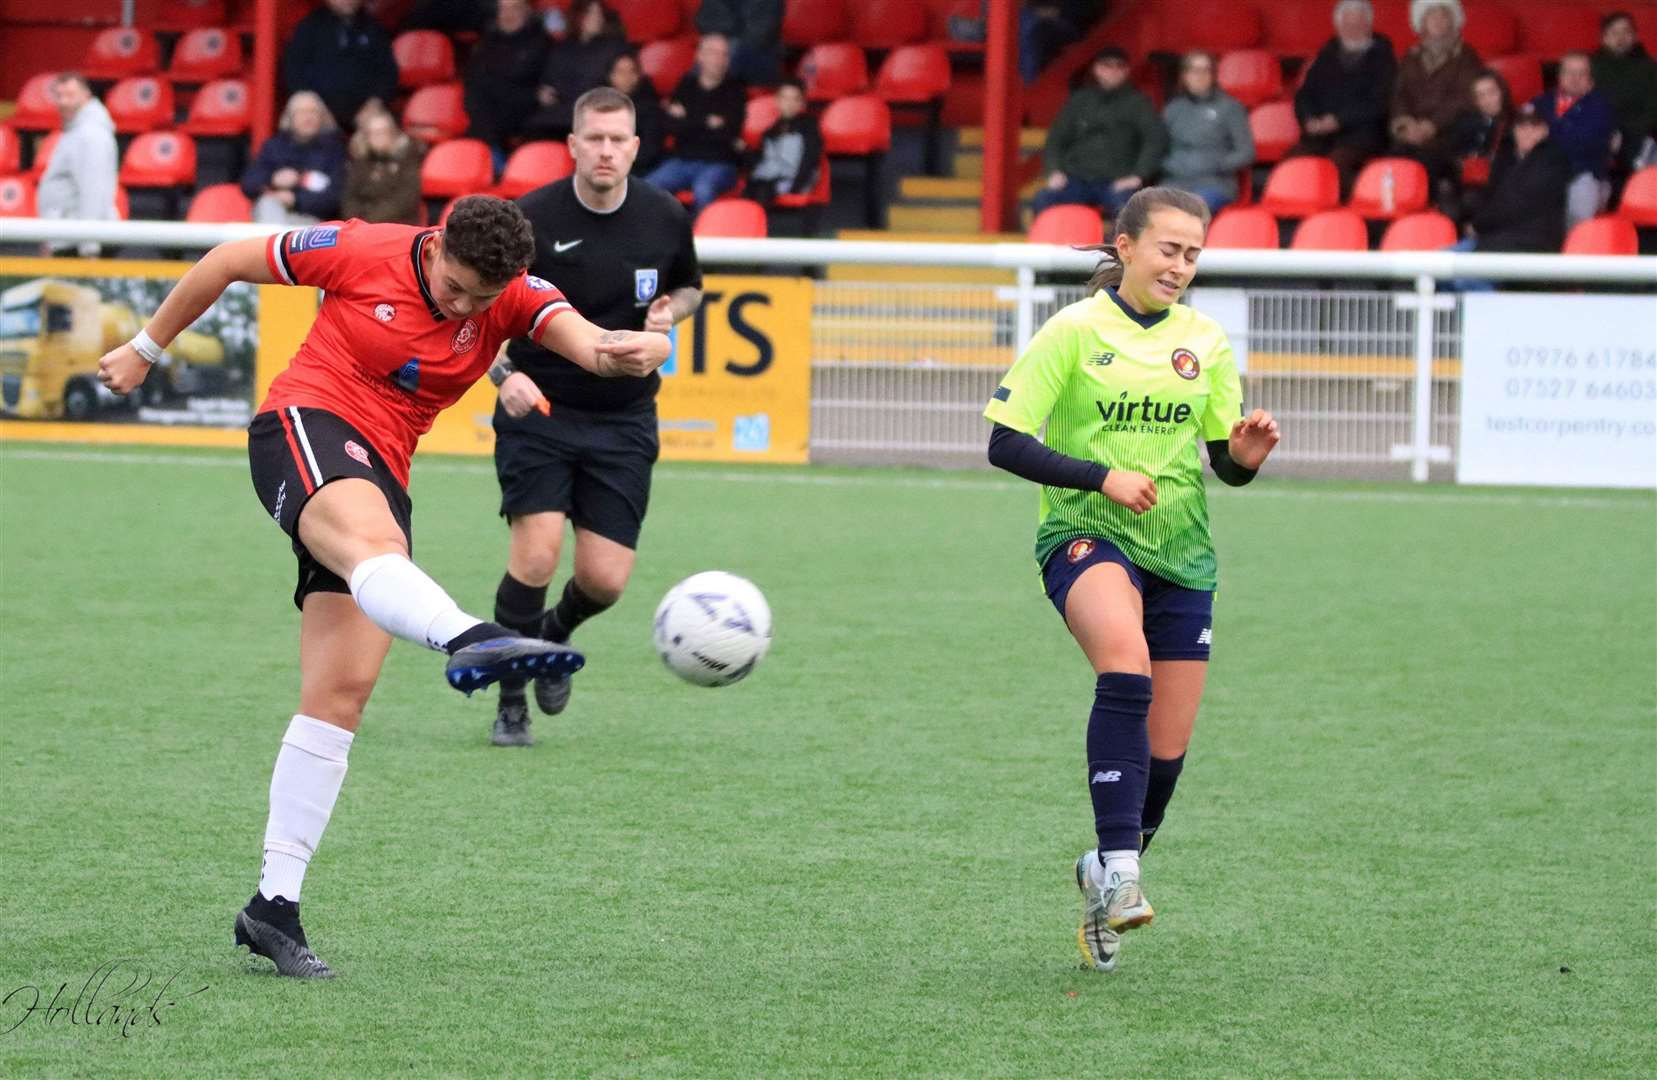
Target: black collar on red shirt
column 420, row 274
column 1145, row 321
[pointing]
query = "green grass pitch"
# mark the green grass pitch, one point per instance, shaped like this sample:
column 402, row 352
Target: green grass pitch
column 1424, row 784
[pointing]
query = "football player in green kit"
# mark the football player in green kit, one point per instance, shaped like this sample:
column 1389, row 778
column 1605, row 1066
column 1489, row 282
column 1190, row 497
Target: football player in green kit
column 1127, row 382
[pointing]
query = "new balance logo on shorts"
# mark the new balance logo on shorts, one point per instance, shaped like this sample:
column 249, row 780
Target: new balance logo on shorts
column 1206, row 637
column 1103, row 777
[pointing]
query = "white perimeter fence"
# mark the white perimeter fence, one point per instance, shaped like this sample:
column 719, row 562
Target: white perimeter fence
column 1359, row 353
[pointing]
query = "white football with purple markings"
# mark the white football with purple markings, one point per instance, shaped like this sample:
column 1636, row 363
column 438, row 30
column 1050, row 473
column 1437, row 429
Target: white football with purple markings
column 713, row 628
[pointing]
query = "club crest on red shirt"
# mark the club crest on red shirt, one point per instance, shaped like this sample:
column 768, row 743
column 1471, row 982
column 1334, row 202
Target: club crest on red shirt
column 385, row 312
column 1185, row 364
column 465, row 338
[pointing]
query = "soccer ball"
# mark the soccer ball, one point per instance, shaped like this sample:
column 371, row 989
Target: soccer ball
column 712, row 628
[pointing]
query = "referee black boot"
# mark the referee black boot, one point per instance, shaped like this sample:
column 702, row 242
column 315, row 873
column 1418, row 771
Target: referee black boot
column 512, row 721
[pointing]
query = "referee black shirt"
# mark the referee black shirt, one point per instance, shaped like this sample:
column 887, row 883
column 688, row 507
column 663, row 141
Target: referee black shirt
column 610, row 265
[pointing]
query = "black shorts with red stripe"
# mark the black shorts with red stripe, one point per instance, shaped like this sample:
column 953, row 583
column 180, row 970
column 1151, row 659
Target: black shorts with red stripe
column 293, row 451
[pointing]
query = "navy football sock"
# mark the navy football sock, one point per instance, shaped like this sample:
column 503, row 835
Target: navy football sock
column 518, row 607
column 1164, row 775
column 1118, row 758
column 574, row 608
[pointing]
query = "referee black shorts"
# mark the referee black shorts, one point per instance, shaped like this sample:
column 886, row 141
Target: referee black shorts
column 593, row 467
column 293, row 452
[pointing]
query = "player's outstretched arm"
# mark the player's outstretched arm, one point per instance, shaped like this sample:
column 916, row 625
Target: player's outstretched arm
column 609, row 353
column 123, row 368
column 1253, row 438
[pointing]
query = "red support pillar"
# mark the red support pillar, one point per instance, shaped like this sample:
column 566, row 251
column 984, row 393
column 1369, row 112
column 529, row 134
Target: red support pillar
column 264, row 71
column 1002, row 113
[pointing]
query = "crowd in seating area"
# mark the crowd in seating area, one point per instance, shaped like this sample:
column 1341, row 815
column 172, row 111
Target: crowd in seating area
column 1427, row 136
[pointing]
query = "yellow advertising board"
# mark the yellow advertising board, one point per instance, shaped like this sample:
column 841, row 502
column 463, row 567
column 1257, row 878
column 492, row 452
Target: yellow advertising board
column 737, row 388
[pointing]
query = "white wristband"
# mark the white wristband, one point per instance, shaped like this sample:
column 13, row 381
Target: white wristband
column 147, row 348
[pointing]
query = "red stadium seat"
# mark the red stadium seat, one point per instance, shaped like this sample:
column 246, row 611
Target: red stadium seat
column 1068, row 224
column 1243, row 227
column 1331, row 230
column 666, row 62
column 1296, row 29
column 814, row 22
column 1252, row 76
column 424, row 58
column 161, row 159
column 43, row 154
column 1522, row 73
column 141, row 103
column 1603, row 235
column 11, row 151
column 1275, row 130
column 220, row 202
column 914, row 74
column 731, row 217
column 817, row 196
column 1302, row 186
column 1639, row 198
column 762, row 113
column 943, row 28
column 120, row 52
column 180, row 16
column 534, row 164
column 1490, row 28
column 1426, row 231
column 457, row 167
column 648, row 20
column 204, row 55
column 17, row 197
column 886, row 24
column 1550, row 28
column 1216, row 25
column 122, row 209
column 1409, row 189
column 436, row 113
column 861, row 124
column 834, row 70
column 222, row 108
column 36, row 109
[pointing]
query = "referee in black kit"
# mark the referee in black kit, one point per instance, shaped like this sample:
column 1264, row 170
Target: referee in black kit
column 570, row 444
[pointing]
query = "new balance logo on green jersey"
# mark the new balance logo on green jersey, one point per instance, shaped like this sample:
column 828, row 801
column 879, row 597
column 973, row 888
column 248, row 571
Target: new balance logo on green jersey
column 1101, row 359
column 1149, row 411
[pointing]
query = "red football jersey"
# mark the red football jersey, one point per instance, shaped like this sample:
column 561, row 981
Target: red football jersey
column 381, row 355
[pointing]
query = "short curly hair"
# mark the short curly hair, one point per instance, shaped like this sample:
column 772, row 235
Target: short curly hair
column 489, row 235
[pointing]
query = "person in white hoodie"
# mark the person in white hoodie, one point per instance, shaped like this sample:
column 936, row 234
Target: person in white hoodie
column 79, row 181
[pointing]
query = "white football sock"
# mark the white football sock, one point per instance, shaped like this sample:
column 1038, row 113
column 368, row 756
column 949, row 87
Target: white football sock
column 1115, row 866
column 402, row 600
column 310, row 768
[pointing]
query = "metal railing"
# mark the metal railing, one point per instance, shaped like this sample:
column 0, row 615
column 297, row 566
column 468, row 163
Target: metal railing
column 1366, row 374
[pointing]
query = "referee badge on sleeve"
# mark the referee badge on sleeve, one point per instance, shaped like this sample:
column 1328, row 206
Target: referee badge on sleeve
column 644, row 285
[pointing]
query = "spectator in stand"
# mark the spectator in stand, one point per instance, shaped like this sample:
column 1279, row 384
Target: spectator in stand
column 704, row 116
column 341, row 54
column 1580, row 121
column 382, row 181
column 503, row 74
column 574, row 66
column 754, row 30
column 787, row 159
column 1106, row 143
column 1524, row 208
column 79, row 180
column 299, row 174
column 1208, row 135
column 1435, row 80
column 1475, row 138
column 649, row 121
column 1625, row 73
column 451, row 16
column 1342, row 103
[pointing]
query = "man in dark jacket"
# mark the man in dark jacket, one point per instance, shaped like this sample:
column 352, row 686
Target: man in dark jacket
column 341, row 54
column 1625, row 73
column 1581, row 123
column 503, row 73
column 1342, row 105
column 299, row 174
column 704, row 116
column 1524, row 208
column 1106, row 143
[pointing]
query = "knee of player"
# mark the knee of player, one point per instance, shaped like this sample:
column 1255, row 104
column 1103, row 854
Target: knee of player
column 1129, row 660
column 603, row 586
column 341, row 702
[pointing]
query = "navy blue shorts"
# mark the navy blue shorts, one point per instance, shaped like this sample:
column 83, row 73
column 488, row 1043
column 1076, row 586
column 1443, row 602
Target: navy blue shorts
column 1178, row 621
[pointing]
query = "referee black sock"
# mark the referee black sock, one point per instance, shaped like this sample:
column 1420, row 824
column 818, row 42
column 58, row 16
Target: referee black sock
column 1164, row 775
column 1118, row 757
column 573, row 608
column 518, row 607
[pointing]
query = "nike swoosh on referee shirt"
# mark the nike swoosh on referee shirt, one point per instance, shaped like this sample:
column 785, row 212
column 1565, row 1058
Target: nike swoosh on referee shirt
column 563, row 245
